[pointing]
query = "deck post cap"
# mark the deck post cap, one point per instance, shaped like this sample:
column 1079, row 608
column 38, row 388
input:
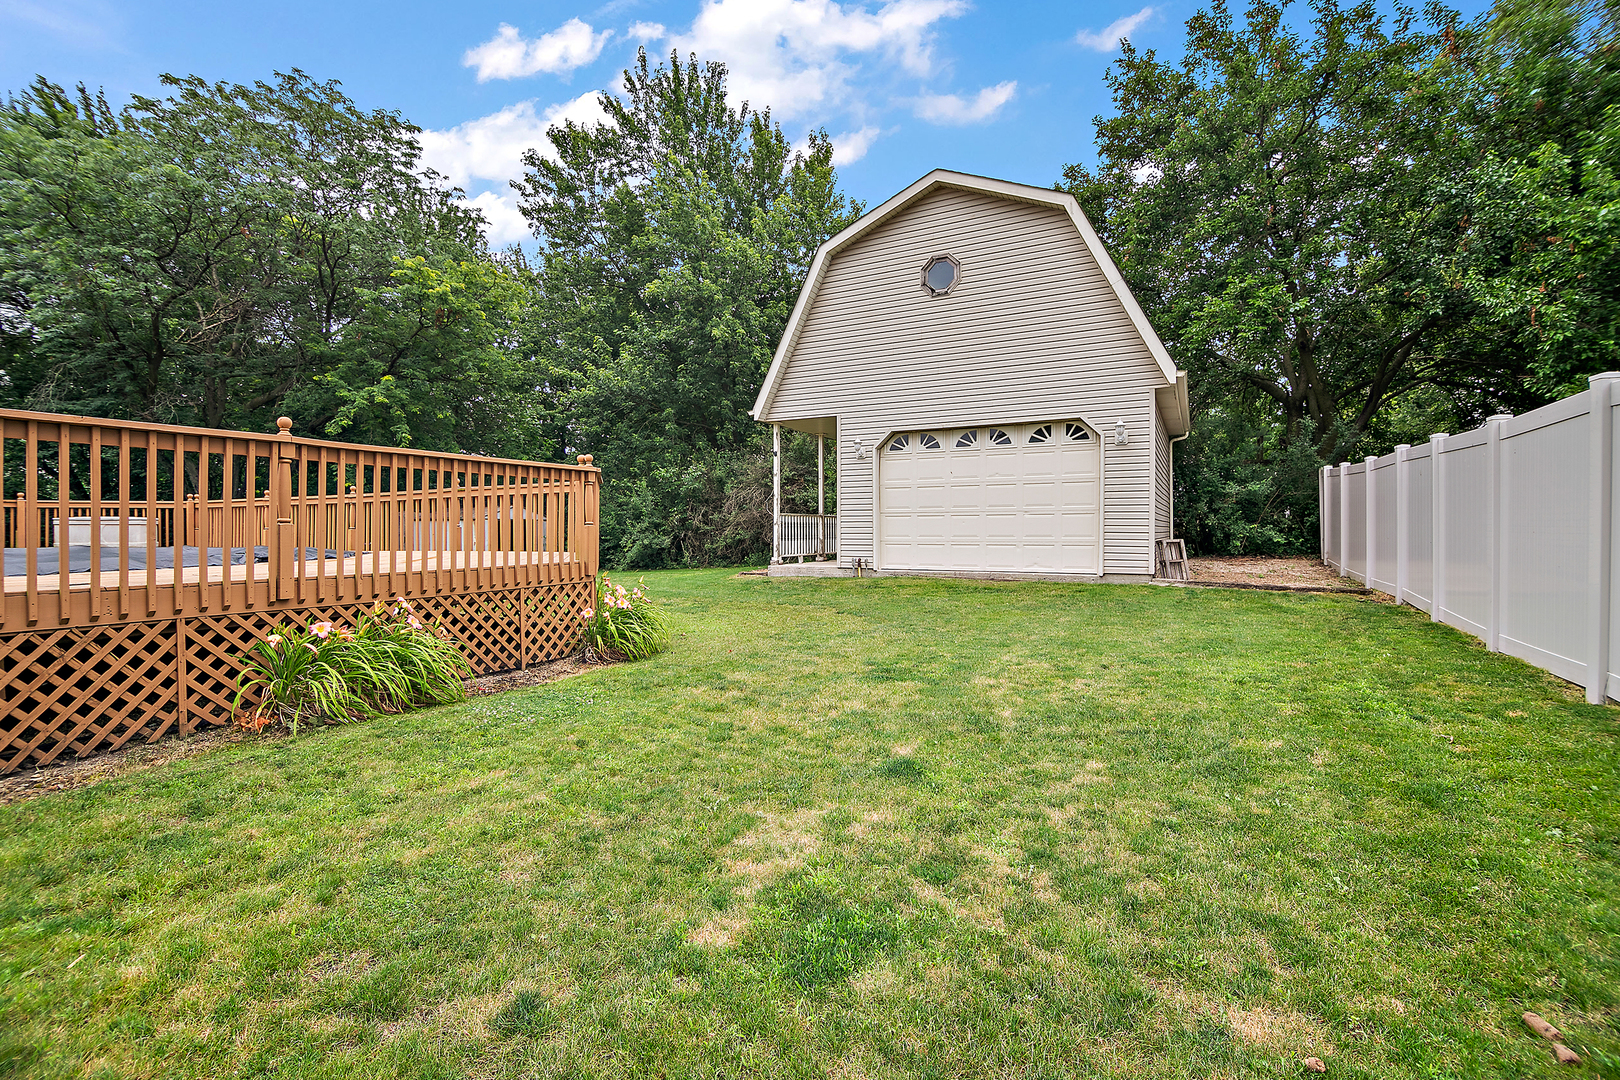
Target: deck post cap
column 284, row 423
column 580, row 459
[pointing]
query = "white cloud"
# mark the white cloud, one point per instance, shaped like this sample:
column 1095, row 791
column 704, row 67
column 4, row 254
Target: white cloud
column 1106, row 39
column 491, row 147
column 851, row 146
column 507, row 225
column 509, row 55
column 954, row 109
column 794, row 56
column 647, row 31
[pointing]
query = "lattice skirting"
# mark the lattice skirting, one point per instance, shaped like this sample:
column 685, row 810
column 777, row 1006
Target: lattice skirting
column 88, row 689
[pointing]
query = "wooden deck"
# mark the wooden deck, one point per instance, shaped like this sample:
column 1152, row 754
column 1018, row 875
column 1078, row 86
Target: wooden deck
column 501, row 554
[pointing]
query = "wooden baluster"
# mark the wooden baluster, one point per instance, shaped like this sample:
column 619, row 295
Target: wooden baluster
column 30, row 523
column 184, row 600
column 95, row 522
column 205, row 534
column 327, row 535
column 64, row 488
column 250, row 524
column 227, row 509
column 152, row 522
column 123, row 522
column 374, row 520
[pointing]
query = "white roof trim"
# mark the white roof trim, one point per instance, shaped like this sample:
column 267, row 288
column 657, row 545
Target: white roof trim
column 967, row 182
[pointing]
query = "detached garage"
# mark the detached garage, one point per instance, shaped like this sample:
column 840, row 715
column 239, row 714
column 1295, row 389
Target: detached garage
column 998, row 402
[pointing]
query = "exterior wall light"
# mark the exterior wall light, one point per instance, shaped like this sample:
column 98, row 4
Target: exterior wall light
column 1122, row 437
column 860, row 449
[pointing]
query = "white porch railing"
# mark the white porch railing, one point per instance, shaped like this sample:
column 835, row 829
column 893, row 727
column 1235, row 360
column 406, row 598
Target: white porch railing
column 806, row 534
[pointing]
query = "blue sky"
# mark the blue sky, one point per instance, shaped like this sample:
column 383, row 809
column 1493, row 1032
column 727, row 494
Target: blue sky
column 904, row 86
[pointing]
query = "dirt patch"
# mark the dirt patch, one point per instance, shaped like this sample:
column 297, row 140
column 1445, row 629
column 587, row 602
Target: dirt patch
column 719, row 931
column 1299, row 572
column 1289, row 1032
column 777, row 843
column 502, row 681
column 68, row 775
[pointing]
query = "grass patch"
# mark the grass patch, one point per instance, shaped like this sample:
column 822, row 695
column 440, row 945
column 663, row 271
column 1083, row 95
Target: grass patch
column 880, row 828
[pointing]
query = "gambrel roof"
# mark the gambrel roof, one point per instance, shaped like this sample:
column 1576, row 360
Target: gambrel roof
column 1173, row 396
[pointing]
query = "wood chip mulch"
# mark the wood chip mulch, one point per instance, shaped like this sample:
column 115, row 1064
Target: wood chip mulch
column 83, row 772
column 1303, row 573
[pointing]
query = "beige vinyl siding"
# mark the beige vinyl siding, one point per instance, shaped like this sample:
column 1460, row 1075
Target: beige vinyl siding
column 1162, row 493
column 1032, row 332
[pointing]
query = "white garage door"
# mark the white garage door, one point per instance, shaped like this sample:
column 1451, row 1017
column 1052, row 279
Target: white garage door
column 1025, row 497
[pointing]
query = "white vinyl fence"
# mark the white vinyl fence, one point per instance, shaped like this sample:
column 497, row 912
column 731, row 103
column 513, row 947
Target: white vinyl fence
column 1506, row 532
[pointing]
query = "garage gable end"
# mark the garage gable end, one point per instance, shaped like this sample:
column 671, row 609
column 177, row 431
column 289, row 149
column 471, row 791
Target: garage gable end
column 961, row 285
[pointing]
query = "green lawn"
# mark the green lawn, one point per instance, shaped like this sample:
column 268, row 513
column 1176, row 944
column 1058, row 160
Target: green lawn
column 887, row 828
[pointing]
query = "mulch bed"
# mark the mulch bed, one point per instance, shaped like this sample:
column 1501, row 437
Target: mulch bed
column 1303, row 573
column 83, row 772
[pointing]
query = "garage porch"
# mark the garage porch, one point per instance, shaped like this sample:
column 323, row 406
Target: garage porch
column 803, row 536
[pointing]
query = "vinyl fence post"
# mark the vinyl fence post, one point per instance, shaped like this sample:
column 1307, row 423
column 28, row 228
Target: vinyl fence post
column 1600, row 555
column 1403, row 519
column 1321, row 514
column 1494, row 524
column 1371, row 521
column 1344, row 519
column 1437, row 526
column 776, row 493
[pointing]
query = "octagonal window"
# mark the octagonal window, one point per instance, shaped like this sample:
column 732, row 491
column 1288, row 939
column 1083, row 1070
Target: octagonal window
column 940, row 274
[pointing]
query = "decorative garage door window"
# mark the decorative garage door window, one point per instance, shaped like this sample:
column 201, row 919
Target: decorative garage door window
column 1021, row 498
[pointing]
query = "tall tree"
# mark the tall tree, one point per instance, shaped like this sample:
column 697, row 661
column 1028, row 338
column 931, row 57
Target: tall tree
column 1539, row 104
column 674, row 237
column 231, row 251
column 1272, row 200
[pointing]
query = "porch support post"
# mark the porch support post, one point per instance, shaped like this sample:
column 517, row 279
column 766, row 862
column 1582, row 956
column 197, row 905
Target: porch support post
column 821, row 495
column 776, row 493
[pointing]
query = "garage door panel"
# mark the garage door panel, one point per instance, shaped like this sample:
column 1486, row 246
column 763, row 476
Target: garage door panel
column 1030, row 506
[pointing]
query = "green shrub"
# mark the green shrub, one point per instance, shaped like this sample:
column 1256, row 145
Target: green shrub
column 331, row 674
column 624, row 625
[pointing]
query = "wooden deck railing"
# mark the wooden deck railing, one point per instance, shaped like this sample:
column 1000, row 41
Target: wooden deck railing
column 111, row 523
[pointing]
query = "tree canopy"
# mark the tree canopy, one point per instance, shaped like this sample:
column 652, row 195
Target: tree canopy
column 231, row 251
column 1354, row 228
column 674, row 238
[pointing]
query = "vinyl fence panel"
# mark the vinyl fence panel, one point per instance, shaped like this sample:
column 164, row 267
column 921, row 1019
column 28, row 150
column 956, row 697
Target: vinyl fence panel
column 1418, row 528
column 1355, row 535
column 1507, row 532
column 1385, row 518
column 1466, row 515
column 1545, row 531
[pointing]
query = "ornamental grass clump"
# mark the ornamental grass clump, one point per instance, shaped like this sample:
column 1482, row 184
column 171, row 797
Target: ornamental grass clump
column 624, row 625
column 330, row 674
